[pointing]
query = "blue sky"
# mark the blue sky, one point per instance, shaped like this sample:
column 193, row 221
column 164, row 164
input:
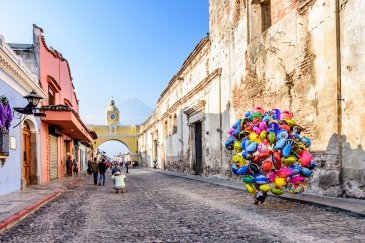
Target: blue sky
column 121, row 48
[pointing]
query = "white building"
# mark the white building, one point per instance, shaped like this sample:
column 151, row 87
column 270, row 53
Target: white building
column 20, row 163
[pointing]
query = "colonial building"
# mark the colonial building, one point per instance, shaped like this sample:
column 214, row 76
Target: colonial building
column 20, row 141
column 63, row 133
column 302, row 55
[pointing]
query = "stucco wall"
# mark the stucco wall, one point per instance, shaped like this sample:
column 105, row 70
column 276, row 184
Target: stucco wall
column 353, row 90
column 10, row 173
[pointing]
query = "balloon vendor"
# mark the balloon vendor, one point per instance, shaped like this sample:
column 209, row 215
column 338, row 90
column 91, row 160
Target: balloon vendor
column 270, row 153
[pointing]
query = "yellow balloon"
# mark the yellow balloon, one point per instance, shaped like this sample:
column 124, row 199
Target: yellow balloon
column 279, row 182
column 289, row 160
column 250, row 189
column 263, row 135
column 254, row 137
column 237, row 146
column 265, row 188
column 238, row 160
column 291, row 122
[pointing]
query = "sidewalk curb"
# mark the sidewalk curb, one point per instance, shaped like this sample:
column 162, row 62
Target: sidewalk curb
column 327, row 206
column 18, row 216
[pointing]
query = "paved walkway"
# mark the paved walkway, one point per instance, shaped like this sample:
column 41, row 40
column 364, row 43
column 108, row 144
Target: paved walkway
column 17, row 205
column 355, row 207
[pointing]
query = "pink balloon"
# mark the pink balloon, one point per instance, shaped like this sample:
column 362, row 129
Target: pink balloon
column 296, row 180
column 257, row 130
column 231, row 130
column 262, row 126
column 284, row 172
column 271, row 176
column 259, row 109
column 305, row 158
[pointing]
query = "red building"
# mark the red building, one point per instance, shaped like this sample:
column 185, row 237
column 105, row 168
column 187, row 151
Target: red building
column 63, row 133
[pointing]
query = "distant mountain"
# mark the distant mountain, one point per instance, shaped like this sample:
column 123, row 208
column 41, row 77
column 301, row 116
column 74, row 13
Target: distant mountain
column 133, row 112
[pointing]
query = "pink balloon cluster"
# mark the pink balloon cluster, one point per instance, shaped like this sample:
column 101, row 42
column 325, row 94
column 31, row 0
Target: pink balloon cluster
column 270, row 152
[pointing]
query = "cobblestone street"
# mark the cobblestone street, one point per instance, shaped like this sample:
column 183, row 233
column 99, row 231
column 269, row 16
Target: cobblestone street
column 159, row 207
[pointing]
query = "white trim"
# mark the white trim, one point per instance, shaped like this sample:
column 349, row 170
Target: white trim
column 15, row 73
column 4, row 76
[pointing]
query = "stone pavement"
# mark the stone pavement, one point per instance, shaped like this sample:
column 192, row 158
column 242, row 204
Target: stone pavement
column 17, row 205
column 354, row 207
column 159, row 207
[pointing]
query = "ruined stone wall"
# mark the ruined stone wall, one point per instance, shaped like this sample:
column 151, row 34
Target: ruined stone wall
column 352, row 31
column 293, row 66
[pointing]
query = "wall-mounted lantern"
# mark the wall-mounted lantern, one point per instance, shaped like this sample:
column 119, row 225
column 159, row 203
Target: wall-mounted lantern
column 30, row 109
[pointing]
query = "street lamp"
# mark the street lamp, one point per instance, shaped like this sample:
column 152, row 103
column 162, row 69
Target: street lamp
column 33, row 100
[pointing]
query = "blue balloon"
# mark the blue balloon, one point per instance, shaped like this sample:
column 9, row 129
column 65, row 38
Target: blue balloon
column 252, row 148
column 234, row 169
column 266, row 118
column 236, row 132
column 248, row 115
column 229, row 143
column 306, row 172
column 287, row 150
column 247, row 155
column 312, row 165
column 296, row 169
column 282, row 134
column 260, row 179
column 280, row 143
column 276, row 114
column 237, row 124
column 242, row 170
column 306, row 141
column 244, row 143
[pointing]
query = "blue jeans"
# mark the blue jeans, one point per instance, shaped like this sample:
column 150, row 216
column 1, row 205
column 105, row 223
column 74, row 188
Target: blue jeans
column 102, row 178
column 96, row 178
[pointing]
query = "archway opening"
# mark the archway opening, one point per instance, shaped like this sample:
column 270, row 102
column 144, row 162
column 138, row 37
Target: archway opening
column 29, row 154
column 114, row 151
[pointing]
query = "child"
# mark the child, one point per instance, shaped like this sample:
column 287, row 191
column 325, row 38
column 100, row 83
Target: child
column 119, row 184
column 75, row 168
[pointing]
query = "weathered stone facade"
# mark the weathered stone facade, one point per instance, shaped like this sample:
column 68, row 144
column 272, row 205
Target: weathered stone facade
column 302, row 55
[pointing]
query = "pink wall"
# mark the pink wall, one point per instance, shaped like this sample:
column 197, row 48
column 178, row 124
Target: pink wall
column 52, row 64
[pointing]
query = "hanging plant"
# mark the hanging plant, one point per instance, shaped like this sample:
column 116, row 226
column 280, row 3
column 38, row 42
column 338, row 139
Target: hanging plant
column 5, row 112
column 4, row 100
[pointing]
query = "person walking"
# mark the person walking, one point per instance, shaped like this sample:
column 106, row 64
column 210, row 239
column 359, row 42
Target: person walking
column 102, row 170
column 75, row 168
column 69, row 164
column 94, row 170
column 126, row 166
column 114, row 169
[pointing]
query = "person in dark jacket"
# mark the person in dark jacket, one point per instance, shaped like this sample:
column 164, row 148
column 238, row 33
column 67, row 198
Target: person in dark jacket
column 102, row 170
column 94, row 170
column 126, row 166
column 69, row 164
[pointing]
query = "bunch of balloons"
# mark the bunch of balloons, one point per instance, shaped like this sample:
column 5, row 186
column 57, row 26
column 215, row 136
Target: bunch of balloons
column 270, row 153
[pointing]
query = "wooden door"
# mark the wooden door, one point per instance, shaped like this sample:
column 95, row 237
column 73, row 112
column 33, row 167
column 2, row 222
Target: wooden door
column 198, row 147
column 26, row 154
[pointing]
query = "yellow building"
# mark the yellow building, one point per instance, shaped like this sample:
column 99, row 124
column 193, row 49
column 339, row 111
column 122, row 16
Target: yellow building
column 113, row 131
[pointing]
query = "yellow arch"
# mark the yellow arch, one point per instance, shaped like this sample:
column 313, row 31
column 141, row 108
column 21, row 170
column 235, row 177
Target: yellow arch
column 125, row 134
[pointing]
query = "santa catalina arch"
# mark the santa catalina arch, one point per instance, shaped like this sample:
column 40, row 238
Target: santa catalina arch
column 112, row 131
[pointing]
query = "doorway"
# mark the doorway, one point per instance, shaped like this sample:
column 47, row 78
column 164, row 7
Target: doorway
column 26, row 134
column 198, row 148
